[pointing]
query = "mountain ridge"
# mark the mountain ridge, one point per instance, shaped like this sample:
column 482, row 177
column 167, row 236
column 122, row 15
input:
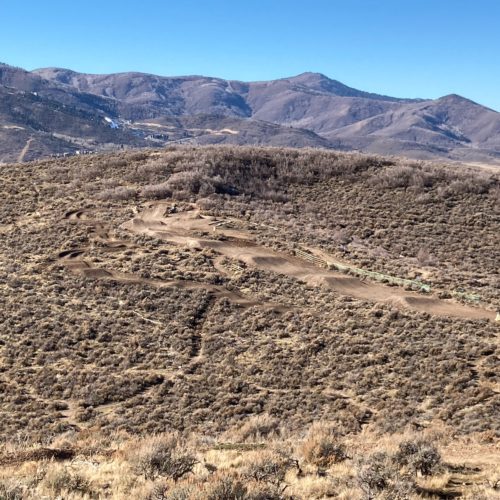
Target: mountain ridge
column 309, row 109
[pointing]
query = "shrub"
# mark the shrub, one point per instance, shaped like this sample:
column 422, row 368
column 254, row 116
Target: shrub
column 117, row 193
column 207, row 203
column 375, row 474
column 401, row 488
column 412, row 175
column 156, row 191
column 468, row 185
column 419, row 456
column 138, row 156
column 60, row 405
column 59, row 479
column 160, row 456
column 425, row 258
column 265, row 492
column 164, row 491
column 322, row 448
column 226, row 488
column 10, row 491
column 267, row 471
column 256, row 428
column 324, row 451
column 193, row 182
column 341, row 236
column 494, row 193
column 85, row 414
column 117, row 162
column 270, row 470
column 88, row 174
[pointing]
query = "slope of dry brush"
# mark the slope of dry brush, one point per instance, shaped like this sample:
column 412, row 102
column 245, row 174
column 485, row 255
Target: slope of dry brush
column 81, row 352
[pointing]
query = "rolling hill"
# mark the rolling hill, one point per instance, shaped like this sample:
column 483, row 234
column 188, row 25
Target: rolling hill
column 248, row 323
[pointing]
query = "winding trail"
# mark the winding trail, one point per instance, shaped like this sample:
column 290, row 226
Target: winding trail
column 75, row 260
column 192, row 229
column 72, row 260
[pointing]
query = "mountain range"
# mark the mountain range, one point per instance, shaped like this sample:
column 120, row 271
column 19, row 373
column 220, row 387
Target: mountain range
column 55, row 111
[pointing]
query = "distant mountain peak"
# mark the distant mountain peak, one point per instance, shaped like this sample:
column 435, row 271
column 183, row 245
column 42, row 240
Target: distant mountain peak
column 322, row 83
column 318, row 79
column 54, row 69
column 309, row 109
column 459, row 100
column 455, row 98
column 313, row 75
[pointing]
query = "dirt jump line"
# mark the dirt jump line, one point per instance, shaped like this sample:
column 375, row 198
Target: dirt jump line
column 323, row 260
column 185, row 228
column 73, row 259
column 83, row 267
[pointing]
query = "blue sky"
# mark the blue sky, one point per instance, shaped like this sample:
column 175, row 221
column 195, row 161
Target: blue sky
column 404, row 48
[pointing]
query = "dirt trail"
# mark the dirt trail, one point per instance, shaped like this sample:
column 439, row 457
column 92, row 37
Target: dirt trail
column 195, row 230
column 23, row 152
column 72, row 260
column 75, row 259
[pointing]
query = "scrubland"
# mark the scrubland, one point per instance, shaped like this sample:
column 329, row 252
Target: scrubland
column 126, row 360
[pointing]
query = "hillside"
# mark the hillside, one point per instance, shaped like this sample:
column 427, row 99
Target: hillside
column 194, row 322
column 103, row 112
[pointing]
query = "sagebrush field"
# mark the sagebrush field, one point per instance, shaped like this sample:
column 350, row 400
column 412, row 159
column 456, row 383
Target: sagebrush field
column 238, row 322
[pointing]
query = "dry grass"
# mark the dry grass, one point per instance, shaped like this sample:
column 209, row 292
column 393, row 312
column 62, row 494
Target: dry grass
column 280, row 468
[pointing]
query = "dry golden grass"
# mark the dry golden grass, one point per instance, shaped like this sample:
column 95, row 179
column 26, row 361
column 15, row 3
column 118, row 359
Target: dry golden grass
column 113, row 467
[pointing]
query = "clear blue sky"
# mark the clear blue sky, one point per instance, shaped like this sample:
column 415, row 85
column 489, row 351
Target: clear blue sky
column 407, row 48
